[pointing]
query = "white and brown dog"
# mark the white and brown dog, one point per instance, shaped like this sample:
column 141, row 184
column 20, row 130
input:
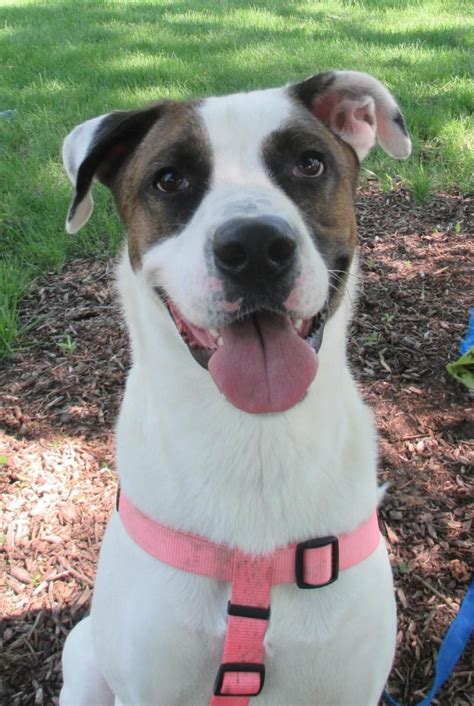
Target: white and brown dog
column 238, row 423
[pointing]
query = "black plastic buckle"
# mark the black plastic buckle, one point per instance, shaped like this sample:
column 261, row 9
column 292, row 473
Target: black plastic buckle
column 117, row 499
column 248, row 611
column 314, row 544
column 238, row 667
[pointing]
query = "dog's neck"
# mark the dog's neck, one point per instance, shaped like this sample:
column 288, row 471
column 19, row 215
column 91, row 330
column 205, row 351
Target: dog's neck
column 187, row 457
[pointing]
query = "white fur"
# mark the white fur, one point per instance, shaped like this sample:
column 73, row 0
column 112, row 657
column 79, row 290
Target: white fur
column 191, row 460
column 75, row 149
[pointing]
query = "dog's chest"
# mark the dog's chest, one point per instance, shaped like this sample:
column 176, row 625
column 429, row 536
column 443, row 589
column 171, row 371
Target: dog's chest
column 251, row 483
column 159, row 632
column 255, row 484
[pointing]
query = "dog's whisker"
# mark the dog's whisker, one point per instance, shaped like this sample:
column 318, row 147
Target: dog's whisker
column 346, row 273
column 341, row 282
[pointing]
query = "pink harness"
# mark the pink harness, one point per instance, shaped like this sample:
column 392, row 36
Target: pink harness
column 311, row 564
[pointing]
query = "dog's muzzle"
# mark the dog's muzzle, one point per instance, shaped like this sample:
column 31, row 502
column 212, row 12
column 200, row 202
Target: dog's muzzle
column 261, row 357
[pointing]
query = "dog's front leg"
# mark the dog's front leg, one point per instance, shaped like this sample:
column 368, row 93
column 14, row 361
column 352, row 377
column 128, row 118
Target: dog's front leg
column 84, row 684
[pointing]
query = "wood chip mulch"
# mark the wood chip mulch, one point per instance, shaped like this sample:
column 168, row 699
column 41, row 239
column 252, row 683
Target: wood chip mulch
column 60, row 396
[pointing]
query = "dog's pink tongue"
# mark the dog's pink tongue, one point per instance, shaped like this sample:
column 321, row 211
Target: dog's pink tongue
column 263, row 365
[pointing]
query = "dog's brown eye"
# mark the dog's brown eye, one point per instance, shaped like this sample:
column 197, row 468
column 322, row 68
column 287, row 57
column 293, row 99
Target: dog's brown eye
column 169, row 180
column 310, row 164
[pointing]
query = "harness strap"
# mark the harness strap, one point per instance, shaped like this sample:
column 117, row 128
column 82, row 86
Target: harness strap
column 242, row 672
column 317, row 561
column 311, row 564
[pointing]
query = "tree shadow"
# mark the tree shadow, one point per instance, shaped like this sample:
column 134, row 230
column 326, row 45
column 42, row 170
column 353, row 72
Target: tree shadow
column 182, row 41
column 31, row 657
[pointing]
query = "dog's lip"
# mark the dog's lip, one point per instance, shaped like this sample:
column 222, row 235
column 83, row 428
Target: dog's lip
column 203, row 342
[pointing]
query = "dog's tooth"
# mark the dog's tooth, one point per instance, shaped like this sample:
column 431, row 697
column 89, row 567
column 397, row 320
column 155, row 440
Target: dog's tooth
column 298, row 323
column 220, row 342
column 214, row 332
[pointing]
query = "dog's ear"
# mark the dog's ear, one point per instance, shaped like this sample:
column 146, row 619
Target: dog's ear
column 98, row 148
column 357, row 108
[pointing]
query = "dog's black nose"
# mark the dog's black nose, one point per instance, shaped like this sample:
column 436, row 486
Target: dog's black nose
column 254, row 249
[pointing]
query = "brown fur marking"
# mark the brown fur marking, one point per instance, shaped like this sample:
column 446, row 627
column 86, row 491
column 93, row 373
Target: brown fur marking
column 326, row 202
column 176, row 139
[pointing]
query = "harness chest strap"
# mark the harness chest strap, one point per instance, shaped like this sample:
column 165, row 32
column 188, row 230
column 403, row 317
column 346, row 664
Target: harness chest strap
column 311, row 564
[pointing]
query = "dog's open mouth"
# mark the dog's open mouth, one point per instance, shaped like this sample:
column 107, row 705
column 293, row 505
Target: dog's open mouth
column 264, row 362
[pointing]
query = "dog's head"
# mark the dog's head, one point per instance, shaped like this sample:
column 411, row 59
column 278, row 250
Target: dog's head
column 240, row 217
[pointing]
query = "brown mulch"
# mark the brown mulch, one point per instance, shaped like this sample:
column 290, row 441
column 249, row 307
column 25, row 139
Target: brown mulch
column 60, row 399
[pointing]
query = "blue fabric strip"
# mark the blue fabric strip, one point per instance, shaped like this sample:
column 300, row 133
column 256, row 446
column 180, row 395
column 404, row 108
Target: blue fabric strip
column 452, row 647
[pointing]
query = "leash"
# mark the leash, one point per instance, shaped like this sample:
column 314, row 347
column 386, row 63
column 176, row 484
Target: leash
column 452, row 647
column 311, row 565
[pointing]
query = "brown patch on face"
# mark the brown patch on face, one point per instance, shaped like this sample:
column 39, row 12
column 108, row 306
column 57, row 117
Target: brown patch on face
column 178, row 140
column 326, row 201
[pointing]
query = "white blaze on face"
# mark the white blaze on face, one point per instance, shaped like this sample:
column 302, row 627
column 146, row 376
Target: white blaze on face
column 237, row 127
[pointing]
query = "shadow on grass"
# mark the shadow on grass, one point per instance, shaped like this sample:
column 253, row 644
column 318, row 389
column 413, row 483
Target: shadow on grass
column 188, row 35
column 190, row 39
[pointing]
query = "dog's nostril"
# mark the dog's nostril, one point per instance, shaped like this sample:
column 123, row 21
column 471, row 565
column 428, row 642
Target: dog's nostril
column 231, row 255
column 281, row 250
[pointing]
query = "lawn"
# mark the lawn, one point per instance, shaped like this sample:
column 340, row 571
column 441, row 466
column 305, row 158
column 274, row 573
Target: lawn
column 63, row 62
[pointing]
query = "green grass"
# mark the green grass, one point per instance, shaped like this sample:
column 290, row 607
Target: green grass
column 63, row 61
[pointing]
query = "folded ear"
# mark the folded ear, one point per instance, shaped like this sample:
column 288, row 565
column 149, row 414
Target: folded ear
column 99, row 148
column 357, row 108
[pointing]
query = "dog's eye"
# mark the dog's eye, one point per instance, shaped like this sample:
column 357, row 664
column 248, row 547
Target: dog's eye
column 310, row 164
column 168, row 180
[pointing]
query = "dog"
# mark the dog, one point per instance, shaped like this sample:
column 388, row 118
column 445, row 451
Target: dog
column 241, row 423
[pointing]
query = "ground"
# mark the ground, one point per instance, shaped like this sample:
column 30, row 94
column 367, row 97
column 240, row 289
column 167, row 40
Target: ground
column 62, row 391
